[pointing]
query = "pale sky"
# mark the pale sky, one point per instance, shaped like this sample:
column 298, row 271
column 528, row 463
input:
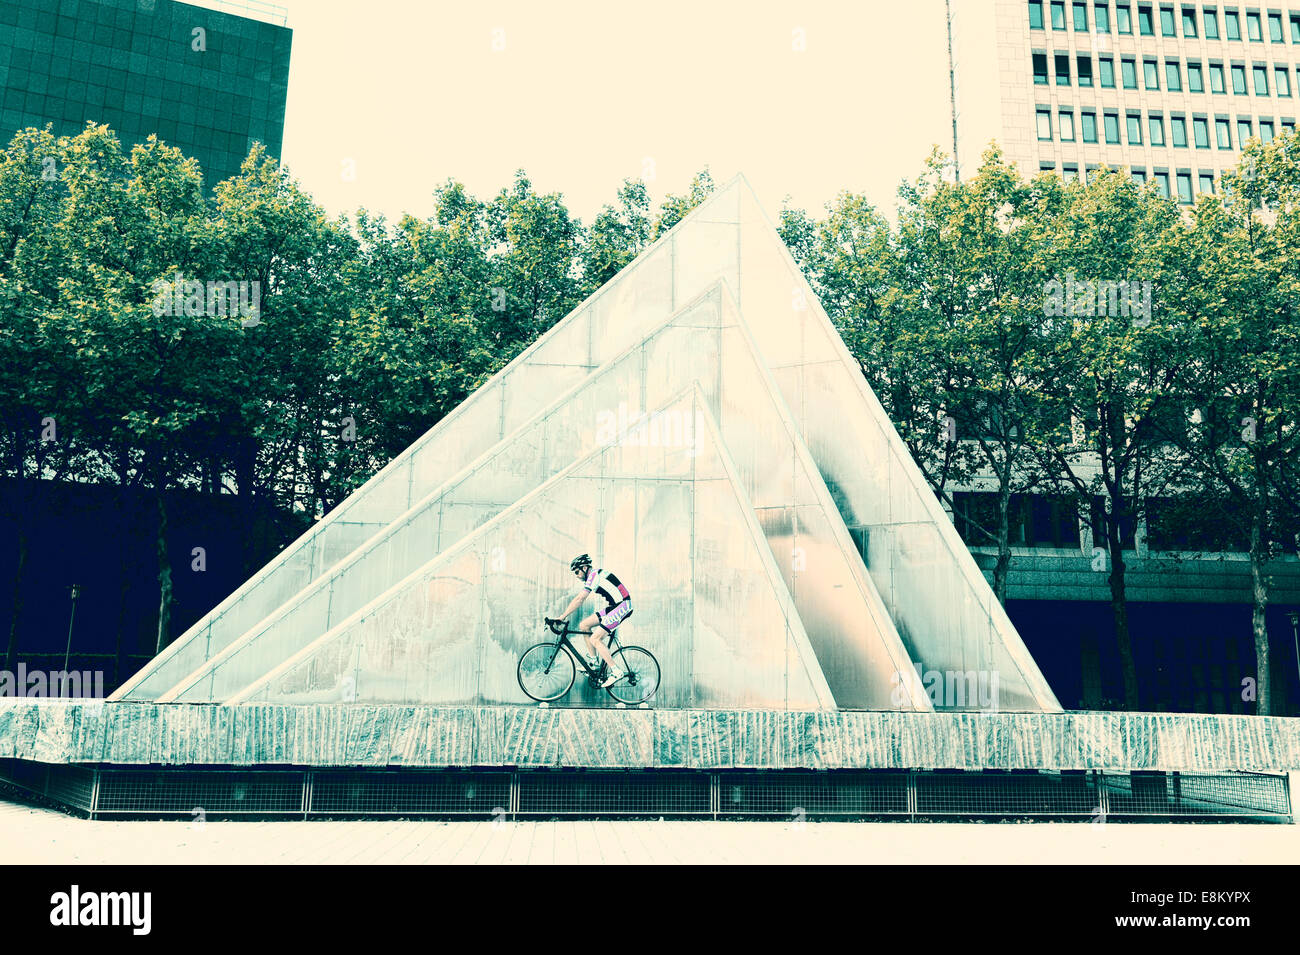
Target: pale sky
column 583, row 94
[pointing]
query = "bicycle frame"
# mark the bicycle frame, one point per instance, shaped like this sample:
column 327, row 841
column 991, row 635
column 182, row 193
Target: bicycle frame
column 578, row 656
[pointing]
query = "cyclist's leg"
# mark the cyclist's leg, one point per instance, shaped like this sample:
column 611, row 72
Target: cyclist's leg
column 597, row 640
column 585, row 629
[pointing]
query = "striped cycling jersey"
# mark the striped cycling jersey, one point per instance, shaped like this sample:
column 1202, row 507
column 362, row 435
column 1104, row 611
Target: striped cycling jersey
column 604, row 584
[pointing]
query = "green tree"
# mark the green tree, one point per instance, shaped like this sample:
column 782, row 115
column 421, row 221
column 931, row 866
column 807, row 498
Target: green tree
column 1110, row 373
column 1238, row 310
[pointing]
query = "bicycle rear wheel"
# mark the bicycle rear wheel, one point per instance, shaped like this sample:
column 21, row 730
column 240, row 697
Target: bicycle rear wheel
column 641, row 675
column 546, row 672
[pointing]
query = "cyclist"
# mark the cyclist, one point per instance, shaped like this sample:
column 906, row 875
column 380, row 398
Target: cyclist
column 601, row 624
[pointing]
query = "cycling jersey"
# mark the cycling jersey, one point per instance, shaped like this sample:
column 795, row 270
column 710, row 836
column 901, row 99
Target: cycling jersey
column 604, row 584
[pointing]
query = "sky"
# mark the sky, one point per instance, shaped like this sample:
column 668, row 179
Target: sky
column 390, row 98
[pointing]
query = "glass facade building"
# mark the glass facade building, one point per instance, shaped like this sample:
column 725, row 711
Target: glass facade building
column 208, row 82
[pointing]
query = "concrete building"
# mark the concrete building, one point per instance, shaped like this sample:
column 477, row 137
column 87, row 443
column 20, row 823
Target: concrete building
column 1171, row 91
column 204, row 80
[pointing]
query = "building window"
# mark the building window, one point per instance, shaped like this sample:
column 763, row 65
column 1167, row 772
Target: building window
column 1288, row 125
column 1195, row 78
column 1244, row 132
column 1112, row 128
column 1123, row 18
column 1040, row 69
column 1162, row 183
column 1081, row 17
column 1065, row 125
column 1129, row 71
column 1106, row 67
column 1070, row 173
column 1167, row 21
column 1216, row 78
column 1238, row 79
column 1261, row 80
column 1223, row 133
column 1211, row 23
column 1134, row 129
column 1252, row 27
column 1139, row 176
column 1035, row 14
column 1146, row 26
column 1232, row 24
column 1058, row 14
column 1046, row 168
column 1275, row 28
column 1101, row 17
column 1085, row 71
column 1151, row 74
column 1062, row 69
column 1044, row 124
column 1207, row 183
column 1156, row 129
column 1295, row 28
column 1201, row 132
column 1088, row 122
column 1189, row 21
column 1266, row 131
column 1282, row 80
column 1185, row 188
column 1173, row 77
column 1178, row 131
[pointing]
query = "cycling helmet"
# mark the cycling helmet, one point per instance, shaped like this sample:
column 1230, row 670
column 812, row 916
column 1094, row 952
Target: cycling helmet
column 582, row 560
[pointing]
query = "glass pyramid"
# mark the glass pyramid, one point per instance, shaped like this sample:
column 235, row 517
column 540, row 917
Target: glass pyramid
column 717, row 301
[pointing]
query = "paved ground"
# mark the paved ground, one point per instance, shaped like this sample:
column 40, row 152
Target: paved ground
column 33, row 835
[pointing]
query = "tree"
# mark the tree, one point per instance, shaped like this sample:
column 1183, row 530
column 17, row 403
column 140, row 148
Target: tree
column 1239, row 323
column 972, row 270
column 675, row 208
column 616, row 236
column 1110, row 372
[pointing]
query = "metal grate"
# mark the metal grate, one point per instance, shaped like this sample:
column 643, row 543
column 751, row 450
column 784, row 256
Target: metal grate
column 995, row 792
column 831, row 793
column 1184, row 794
column 73, row 786
column 581, row 793
column 406, row 792
column 185, row 790
column 493, row 792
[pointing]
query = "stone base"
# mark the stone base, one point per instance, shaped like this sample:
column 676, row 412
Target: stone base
column 343, row 734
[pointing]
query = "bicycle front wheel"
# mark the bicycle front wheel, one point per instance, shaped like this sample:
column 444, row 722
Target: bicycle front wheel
column 546, row 672
column 641, row 675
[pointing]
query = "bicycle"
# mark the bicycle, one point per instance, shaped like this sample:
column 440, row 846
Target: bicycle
column 546, row 671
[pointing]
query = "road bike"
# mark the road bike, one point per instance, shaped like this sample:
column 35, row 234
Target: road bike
column 547, row 670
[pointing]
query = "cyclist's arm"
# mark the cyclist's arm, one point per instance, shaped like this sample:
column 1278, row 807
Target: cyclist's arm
column 574, row 604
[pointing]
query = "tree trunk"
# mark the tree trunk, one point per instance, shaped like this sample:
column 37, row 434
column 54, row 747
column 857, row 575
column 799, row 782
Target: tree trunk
column 1119, row 606
column 126, row 565
column 11, row 651
column 1259, row 588
column 1002, row 568
column 164, row 577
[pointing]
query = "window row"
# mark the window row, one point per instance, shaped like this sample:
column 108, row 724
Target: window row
column 1220, row 131
column 1086, row 16
column 1183, row 183
column 1176, row 76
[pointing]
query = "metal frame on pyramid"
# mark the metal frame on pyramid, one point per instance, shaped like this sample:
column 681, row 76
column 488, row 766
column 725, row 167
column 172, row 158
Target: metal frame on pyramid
column 696, row 424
